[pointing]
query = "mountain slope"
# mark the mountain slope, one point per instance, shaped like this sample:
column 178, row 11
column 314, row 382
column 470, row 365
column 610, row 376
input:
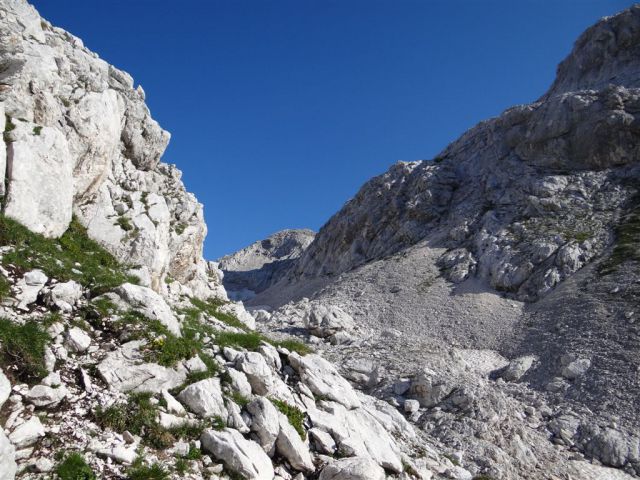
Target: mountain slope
column 520, row 238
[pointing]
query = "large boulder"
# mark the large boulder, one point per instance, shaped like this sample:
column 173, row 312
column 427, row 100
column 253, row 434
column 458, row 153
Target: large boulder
column 354, row 468
column 265, row 423
column 204, row 398
column 150, row 304
column 27, row 433
column 358, row 433
column 125, row 370
column 239, row 455
column 326, row 320
column 292, row 447
column 40, row 172
column 323, row 379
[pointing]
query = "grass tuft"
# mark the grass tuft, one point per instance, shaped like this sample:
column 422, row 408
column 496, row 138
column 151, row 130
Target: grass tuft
column 140, row 471
column 22, row 350
column 74, row 467
column 294, row 414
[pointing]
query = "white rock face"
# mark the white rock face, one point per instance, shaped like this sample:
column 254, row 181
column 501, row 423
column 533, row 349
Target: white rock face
column 27, row 433
column 3, row 150
column 265, row 423
column 173, row 406
column 77, row 340
column 8, row 465
column 204, row 398
column 240, row 455
column 65, row 295
column 150, row 304
column 125, row 370
column 46, row 396
column 29, row 286
column 261, row 376
column 239, row 382
column 357, row 433
column 90, row 147
column 290, row 446
column 5, row 388
column 323, row 379
column 40, row 167
column 355, row 468
column 327, row 320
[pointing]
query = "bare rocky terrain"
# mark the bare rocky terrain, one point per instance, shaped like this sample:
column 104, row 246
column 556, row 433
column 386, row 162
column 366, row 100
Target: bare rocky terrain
column 469, row 317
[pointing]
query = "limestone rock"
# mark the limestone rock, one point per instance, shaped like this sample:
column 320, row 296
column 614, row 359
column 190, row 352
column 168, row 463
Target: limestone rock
column 150, row 304
column 241, row 456
column 355, row 468
column 46, row 396
column 40, row 193
column 290, row 446
column 27, row 433
column 77, row 340
column 323, row 379
column 265, row 423
column 204, row 398
column 327, row 320
column 517, row 368
column 5, row 388
column 8, row 467
column 125, row 370
column 65, row 295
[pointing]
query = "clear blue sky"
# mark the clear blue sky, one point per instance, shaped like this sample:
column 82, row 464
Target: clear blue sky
column 280, row 109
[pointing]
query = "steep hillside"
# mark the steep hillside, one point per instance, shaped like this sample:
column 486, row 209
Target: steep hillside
column 520, row 240
column 263, row 263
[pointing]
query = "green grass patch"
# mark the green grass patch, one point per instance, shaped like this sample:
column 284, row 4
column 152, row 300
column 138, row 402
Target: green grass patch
column 138, row 416
column 37, row 130
column 293, row 346
column 140, row 471
column 181, row 466
column 194, row 453
column 74, row 467
column 22, row 350
column 239, row 399
column 294, row 414
column 247, row 340
column 73, row 256
column 211, row 307
column 5, row 287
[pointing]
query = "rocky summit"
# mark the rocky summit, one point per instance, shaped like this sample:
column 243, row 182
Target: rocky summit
column 469, row 317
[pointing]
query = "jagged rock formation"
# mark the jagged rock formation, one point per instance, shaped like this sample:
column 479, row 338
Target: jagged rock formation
column 519, row 239
column 261, row 264
column 80, row 140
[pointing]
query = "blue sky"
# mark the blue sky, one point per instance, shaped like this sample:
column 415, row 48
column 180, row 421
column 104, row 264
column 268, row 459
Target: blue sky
column 280, row 109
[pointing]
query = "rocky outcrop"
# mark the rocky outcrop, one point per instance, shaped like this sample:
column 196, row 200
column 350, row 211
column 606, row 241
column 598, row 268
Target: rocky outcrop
column 522, row 200
column 261, row 264
column 80, row 140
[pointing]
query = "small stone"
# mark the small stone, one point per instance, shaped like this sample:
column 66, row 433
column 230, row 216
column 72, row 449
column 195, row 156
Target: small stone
column 411, row 406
